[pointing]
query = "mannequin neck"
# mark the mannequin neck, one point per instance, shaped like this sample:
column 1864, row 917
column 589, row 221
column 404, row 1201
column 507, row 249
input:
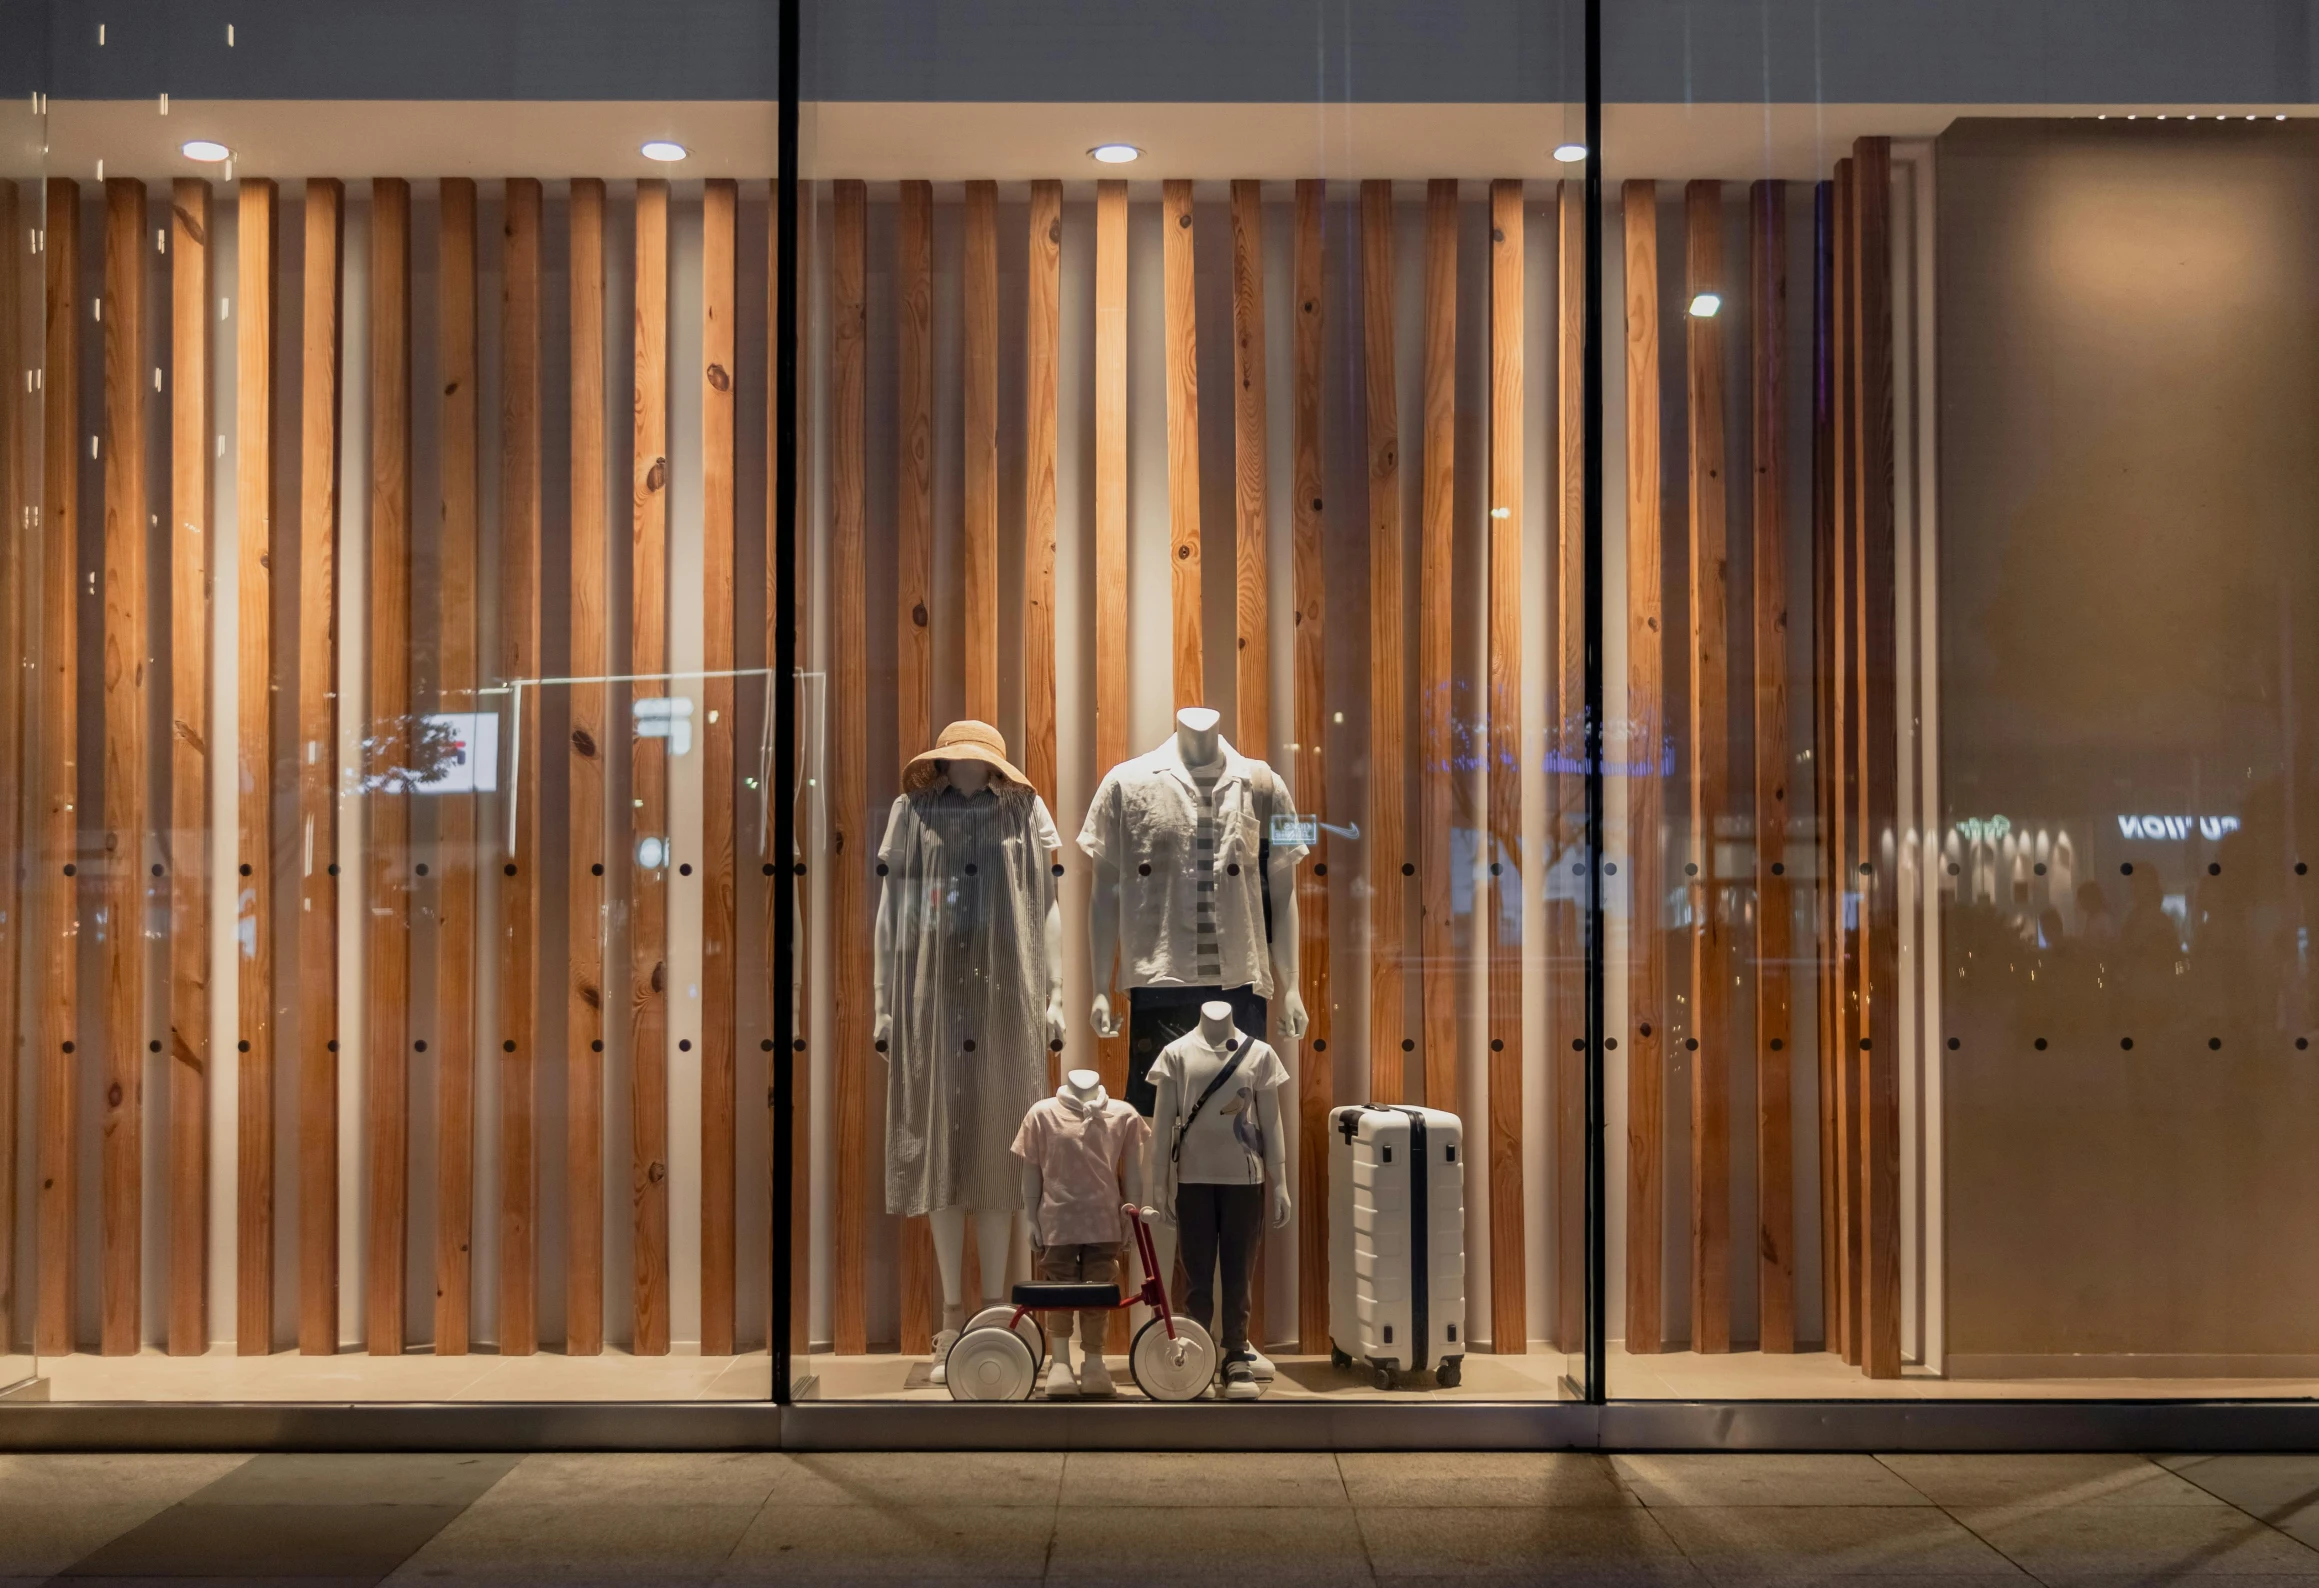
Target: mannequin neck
column 1199, row 741
column 1087, row 1092
column 1216, row 1032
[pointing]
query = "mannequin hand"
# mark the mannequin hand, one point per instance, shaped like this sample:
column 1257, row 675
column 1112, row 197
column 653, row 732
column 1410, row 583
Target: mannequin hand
column 1293, row 1019
column 1280, row 1207
column 1056, row 1024
column 1165, row 1214
column 882, row 1033
column 1105, row 1021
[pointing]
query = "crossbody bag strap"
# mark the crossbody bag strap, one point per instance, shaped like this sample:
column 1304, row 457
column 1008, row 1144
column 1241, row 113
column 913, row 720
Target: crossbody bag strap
column 1222, row 1075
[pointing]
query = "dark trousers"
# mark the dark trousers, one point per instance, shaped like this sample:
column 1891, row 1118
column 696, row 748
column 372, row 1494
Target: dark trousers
column 1219, row 1222
column 1156, row 1016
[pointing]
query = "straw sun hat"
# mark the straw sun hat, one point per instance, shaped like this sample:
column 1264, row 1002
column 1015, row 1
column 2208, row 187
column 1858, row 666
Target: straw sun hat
column 963, row 741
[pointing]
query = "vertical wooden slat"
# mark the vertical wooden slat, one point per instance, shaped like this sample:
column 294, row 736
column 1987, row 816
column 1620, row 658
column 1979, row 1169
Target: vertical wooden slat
column 1181, row 340
column 1110, row 530
column 1566, row 821
column 1316, row 1078
column 1843, row 789
column 387, row 859
column 1775, row 1126
column 720, row 204
column 1042, row 400
column 1509, row 1312
column 1878, row 846
column 190, row 463
column 850, row 843
column 913, row 629
column 1252, row 655
column 648, row 778
column 1646, row 953
column 456, row 675
column 1389, row 1039
column 978, row 560
column 316, row 753
column 1823, row 737
column 18, row 552
column 1436, row 569
column 519, row 661
column 588, row 858
column 1710, row 1022
column 788, row 871
column 58, row 987
column 121, row 1116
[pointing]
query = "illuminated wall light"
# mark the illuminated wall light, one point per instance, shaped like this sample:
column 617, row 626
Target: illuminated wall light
column 1570, row 153
column 2279, row 118
column 1706, row 305
column 662, row 150
column 1114, row 153
column 205, row 149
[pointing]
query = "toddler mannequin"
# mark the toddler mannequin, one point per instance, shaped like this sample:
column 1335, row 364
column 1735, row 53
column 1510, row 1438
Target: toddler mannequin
column 1082, row 1156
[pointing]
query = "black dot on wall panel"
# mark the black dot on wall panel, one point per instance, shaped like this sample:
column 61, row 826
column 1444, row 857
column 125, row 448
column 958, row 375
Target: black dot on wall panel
column 1646, row 1028
column 1778, row 1046
column 2040, row 1044
column 1690, row 1044
column 508, row 1046
column 419, row 1047
column 245, row 868
column 1320, row 1044
column 1778, row 870
column 766, row 1045
column 2126, row 1044
column 1408, row 1045
column 1232, row 870
column 2302, row 1042
column 157, row 869
column 969, row 1044
column 970, row 868
column 422, row 871
column 332, row 1044
column 2214, row 868
column 1057, row 869
column 797, row 1045
column 1497, row 1044
column 71, row 870
column 684, row 1045
column 597, row 1045
column 1954, row 1044
column 1143, row 868
column 1865, row 1044
column 798, row 869
column 1495, row 868
column 1866, row 868
column 1608, row 1042
column 1955, row 869
column 1407, row 869
column 242, row 1047
column 153, row 1046
column 684, row 870
column 2126, row 870
column 1321, row 870
column 2039, row 868
column 2214, row 1044
column 333, row 868
column 509, row 868
column 1578, row 1044
column 2301, row 868
column 1690, row 868
column 768, row 869
column 880, row 1044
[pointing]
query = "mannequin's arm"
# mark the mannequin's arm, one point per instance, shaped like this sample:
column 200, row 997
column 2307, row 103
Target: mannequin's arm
column 1163, row 1140
column 1275, row 1154
column 1055, row 1024
column 1287, row 995
column 881, row 992
column 1031, row 1193
column 1103, row 945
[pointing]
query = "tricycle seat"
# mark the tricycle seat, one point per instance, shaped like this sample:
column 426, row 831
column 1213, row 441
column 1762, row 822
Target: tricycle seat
column 1080, row 1295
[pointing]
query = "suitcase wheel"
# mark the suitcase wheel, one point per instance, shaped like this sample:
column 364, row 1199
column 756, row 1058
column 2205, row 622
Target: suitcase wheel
column 1339, row 1359
column 1448, row 1371
column 1384, row 1377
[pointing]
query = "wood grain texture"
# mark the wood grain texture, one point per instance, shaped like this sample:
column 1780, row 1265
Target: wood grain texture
column 1042, row 402
column 1879, row 683
column 1843, row 869
column 1566, row 818
column 57, row 936
column 720, row 923
column 978, row 550
column 1181, row 340
column 127, row 655
column 1823, row 734
column 322, row 370
column 19, row 557
column 1390, row 1040
column 851, row 843
column 913, row 621
column 457, row 674
column 1509, row 1271
column 1436, row 621
column 191, row 462
column 1252, row 653
column 588, row 859
column 1110, row 534
column 1646, row 663
column 520, row 579
column 387, row 859
column 1308, row 764
column 1710, row 784
column 648, row 782
column 1774, row 1034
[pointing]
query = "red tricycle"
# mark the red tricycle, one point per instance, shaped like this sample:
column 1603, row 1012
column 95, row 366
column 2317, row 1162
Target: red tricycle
column 997, row 1355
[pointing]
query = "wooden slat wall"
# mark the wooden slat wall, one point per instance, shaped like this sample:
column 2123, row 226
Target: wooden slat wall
column 1509, row 1311
column 387, row 857
column 121, row 1116
column 1181, row 338
column 1566, row 788
column 1710, row 735
column 1252, row 653
column 1042, row 404
column 17, row 746
column 1775, row 1126
column 978, row 561
column 1111, row 535
column 1316, row 1074
column 588, row 910
column 850, row 843
column 1647, row 970
column 1436, row 572
column 519, row 658
column 316, row 754
column 789, row 871
column 913, row 628
column 58, row 1001
column 1389, row 1038
column 456, row 677
column 720, row 205
column 190, row 465
column 1843, row 870
column 1823, row 738
column 648, row 814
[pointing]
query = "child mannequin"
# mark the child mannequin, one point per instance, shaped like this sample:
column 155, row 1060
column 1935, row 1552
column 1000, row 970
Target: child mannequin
column 1082, row 1155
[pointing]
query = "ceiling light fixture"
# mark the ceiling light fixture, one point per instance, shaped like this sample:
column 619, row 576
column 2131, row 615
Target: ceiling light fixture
column 1705, row 305
column 1570, row 153
column 662, row 150
column 1114, row 153
column 207, row 150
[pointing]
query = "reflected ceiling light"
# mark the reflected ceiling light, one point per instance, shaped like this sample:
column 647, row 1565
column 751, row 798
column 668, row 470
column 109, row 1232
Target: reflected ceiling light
column 2279, row 118
column 1114, row 153
column 1706, row 304
column 662, row 150
column 205, row 149
column 1570, row 153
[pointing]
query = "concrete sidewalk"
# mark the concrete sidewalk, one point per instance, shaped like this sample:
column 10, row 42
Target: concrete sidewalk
column 1156, row 1519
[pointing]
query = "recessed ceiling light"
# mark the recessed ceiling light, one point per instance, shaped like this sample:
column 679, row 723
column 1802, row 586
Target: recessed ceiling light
column 662, row 150
column 1570, row 153
column 1706, row 304
column 205, row 149
column 1114, row 153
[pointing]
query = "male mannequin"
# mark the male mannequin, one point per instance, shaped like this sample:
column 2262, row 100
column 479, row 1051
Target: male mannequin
column 967, row 979
column 1082, row 1156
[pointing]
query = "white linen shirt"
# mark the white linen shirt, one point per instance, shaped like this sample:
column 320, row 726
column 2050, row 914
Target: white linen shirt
column 1144, row 822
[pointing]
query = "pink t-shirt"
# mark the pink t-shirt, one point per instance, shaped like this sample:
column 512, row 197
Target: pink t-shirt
column 1078, row 1149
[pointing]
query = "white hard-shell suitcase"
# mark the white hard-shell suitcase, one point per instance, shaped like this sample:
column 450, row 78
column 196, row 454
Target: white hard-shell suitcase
column 1397, row 1241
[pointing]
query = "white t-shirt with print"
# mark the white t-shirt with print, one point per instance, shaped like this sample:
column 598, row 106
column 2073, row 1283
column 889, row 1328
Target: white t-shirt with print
column 1225, row 1145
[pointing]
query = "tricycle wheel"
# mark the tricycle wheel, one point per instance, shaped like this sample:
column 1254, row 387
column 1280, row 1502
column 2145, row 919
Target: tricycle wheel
column 1026, row 1329
column 991, row 1364
column 1180, row 1369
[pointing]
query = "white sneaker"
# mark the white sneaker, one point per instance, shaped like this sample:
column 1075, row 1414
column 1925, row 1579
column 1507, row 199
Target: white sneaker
column 1239, row 1380
column 1094, row 1377
column 943, row 1341
column 1261, row 1365
column 1060, row 1384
